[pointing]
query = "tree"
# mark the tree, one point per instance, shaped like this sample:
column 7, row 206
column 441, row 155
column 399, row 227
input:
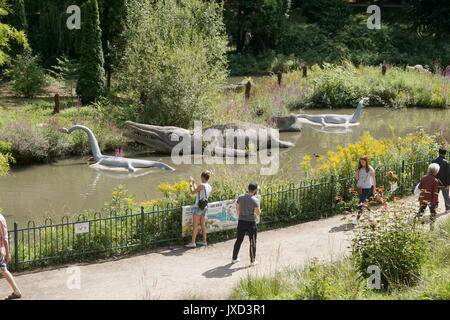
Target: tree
column 9, row 35
column 112, row 17
column 17, row 17
column 26, row 74
column 174, row 62
column 431, row 16
column 91, row 82
column 263, row 20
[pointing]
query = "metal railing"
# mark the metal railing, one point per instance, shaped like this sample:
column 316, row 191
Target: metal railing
column 37, row 246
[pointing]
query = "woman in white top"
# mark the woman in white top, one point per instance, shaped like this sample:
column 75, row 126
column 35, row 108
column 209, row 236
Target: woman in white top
column 365, row 176
column 199, row 215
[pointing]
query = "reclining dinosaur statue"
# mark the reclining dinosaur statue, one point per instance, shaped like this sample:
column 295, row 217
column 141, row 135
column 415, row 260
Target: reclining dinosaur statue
column 111, row 161
column 295, row 122
column 164, row 139
column 336, row 119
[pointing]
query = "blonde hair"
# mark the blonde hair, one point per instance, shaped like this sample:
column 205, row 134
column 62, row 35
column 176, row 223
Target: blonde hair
column 206, row 174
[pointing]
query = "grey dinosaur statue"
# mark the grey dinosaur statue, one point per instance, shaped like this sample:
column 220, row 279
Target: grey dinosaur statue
column 111, row 161
column 336, row 119
column 164, row 139
column 289, row 123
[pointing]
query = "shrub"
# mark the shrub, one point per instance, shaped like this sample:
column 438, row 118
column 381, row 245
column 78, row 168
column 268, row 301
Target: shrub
column 174, row 62
column 5, row 157
column 391, row 240
column 27, row 76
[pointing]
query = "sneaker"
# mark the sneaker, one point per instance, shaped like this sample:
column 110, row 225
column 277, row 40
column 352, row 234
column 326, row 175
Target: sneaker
column 254, row 263
column 236, row 260
column 201, row 243
column 191, row 245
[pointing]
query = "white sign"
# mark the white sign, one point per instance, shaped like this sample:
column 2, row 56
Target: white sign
column 220, row 215
column 394, row 187
column 82, row 227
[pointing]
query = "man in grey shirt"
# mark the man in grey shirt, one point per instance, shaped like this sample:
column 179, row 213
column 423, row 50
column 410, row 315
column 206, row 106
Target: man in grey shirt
column 247, row 207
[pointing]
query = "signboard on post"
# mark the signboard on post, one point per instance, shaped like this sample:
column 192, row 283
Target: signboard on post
column 82, row 227
column 220, row 215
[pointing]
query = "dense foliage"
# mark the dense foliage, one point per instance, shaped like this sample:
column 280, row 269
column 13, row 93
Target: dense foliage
column 174, row 62
column 262, row 20
column 9, row 35
column 5, row 157
column 91, row 81
column 26, row 74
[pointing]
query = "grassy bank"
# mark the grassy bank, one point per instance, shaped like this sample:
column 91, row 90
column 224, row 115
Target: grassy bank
column 342, row 279
column 31, row 128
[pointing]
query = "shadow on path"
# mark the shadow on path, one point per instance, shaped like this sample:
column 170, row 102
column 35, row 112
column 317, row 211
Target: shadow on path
column 222, row 271
column 342, row 227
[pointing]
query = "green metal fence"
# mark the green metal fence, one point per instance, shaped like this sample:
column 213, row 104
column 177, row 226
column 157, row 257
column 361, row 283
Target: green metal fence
column 36, row 246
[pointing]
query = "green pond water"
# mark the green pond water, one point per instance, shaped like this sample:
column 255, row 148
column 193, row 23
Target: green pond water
column 68, row 187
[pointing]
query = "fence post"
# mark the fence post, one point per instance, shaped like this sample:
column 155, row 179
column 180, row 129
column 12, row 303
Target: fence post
column 142, row 226
column 333, row 202
column 16, row 247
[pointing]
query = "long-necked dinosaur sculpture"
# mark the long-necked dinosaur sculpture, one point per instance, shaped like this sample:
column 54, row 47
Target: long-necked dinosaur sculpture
column 336, row 119
column 111, row 161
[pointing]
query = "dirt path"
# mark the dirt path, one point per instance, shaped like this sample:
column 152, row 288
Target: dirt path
column 176, row 274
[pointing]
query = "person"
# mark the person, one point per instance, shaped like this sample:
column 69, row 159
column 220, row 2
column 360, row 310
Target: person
column 444, row 177
column 5, row 256
column 366, row 182
column 203, row 191
column 429, row 192
column 247, row 208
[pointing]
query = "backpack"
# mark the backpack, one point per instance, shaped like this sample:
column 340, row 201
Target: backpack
column 202, row 203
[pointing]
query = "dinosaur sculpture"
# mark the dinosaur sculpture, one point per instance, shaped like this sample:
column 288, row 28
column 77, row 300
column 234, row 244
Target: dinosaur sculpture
column 164, row 139
column 336, row 119
column 111, row 161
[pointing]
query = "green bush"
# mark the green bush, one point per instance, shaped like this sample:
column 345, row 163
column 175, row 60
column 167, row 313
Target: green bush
column 27, row 76
column 5, row 157
column 393, row 241
column 174, row 62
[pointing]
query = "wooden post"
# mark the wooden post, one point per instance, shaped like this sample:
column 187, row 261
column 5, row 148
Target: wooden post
column 383, row 69
column 248, row 88
column 57, row 104
column 305, row 71
column 280, row 78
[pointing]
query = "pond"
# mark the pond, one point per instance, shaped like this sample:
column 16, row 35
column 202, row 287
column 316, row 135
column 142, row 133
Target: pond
column 68, row 187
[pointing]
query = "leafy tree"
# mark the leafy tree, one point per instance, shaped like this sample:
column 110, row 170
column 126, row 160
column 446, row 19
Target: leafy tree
column 26, row 74
column 263, row 20
column 8, row 35
column 174, row 62
column 66, row 70
column 112, row 17
column 91, row 82
column 329, row 14
column 431, row 16
column 17, row 17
